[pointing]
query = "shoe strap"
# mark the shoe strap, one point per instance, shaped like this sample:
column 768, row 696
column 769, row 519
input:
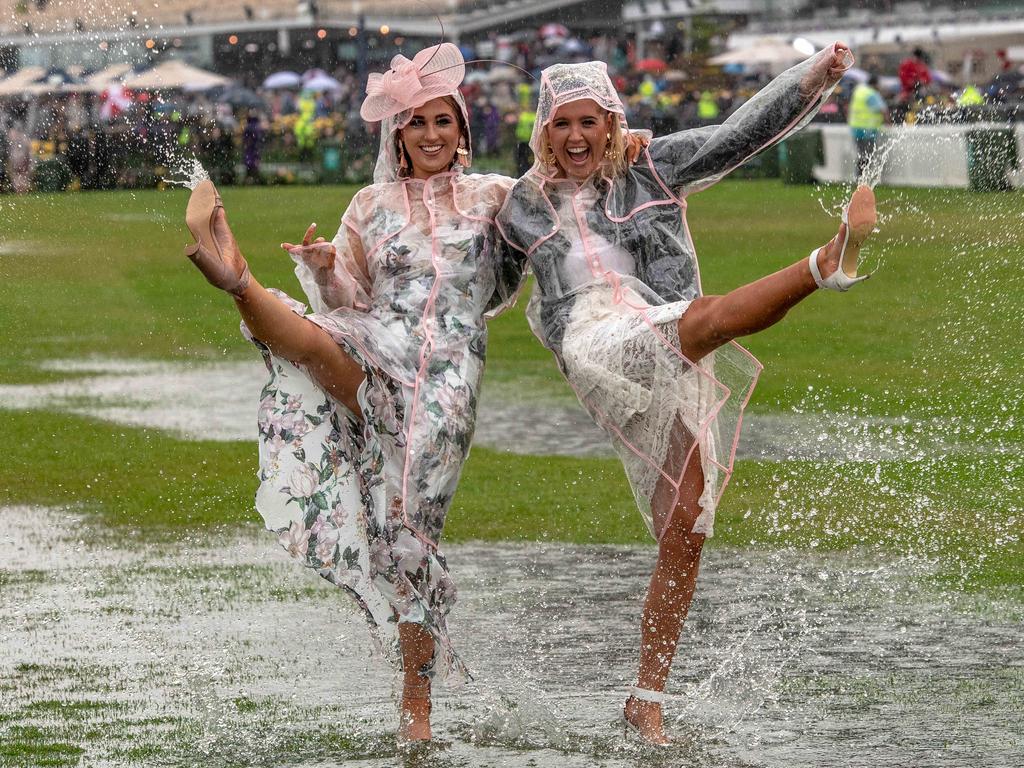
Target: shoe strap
column 645, row 694
column 242, row 284
column 812, row 262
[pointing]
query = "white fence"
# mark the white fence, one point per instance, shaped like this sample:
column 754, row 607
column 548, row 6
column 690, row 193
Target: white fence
column 918, row 156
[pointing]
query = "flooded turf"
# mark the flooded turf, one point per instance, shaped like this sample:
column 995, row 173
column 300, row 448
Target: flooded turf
column 221, row 651
column 217, row 401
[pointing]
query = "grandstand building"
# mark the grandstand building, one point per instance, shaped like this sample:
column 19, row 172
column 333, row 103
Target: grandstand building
column 239, row 36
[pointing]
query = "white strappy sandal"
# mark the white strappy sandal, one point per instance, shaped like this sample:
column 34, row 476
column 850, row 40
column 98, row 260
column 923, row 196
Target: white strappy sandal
column 859, row 216
column 642, row 694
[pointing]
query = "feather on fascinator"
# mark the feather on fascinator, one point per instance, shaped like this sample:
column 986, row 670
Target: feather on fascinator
column 433, row 72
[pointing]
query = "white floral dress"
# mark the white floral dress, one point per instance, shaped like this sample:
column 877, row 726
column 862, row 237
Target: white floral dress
column 364, row 501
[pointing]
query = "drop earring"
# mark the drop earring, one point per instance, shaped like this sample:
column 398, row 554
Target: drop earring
column 462, row 154
column 609, row 153
column 403, row 162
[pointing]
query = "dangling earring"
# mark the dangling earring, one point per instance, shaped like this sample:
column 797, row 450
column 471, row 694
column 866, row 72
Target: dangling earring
column 609, row 153
column 403, row 162
column 462, row 153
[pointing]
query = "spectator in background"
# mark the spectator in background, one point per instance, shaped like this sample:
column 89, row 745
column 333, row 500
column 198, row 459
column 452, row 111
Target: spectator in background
column 492, row 127
column 252, row 146
column 19, row 158
column 868, row 113
column 707, row 108
column 915, row 75
column 4, row 152
column 524, row 130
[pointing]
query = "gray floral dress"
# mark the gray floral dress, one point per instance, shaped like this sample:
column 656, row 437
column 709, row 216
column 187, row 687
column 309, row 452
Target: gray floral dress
column 363, row 502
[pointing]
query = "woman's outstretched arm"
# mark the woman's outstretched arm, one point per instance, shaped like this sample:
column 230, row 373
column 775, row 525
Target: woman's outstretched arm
column 694, row 159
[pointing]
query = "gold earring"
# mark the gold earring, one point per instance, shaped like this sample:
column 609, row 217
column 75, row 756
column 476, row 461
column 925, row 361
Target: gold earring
column 548, row 156
column 609, row 153
column 403, row 162
column 463, row 154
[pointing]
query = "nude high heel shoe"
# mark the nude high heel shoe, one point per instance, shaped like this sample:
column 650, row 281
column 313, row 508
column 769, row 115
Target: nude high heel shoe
column 860, row 217
column 227, row 271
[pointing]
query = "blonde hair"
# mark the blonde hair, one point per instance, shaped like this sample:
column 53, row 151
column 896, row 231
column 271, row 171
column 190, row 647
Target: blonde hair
column 610, row 166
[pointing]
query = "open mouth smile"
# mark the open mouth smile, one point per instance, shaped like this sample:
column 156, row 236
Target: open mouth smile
column 578, row 155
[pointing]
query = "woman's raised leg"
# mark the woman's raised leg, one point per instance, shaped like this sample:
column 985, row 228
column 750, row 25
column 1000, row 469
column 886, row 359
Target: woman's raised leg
column 712, row 321
column 270, row 320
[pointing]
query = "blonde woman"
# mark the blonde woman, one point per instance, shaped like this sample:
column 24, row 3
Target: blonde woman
column 618, row 301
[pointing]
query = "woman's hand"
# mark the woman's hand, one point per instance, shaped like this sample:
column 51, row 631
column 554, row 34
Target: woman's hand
column 842, row 60
column 636, row 143
column 827, row 70
column 319, row 255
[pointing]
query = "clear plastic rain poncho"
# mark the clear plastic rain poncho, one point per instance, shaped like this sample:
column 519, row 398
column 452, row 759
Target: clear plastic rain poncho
column 616, row 268
column 418, row 269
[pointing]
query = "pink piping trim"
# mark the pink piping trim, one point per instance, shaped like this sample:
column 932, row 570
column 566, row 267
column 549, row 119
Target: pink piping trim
column 425, row 350
column 612, row 279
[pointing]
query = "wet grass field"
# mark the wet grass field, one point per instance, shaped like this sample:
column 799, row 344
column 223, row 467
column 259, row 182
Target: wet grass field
column 936, row 337
column 933, row 342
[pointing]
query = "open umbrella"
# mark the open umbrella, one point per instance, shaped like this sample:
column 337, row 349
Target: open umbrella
column 766, row 52
column 99, row 81
column 654, row 66
column 285, row 79
column 318, row 80
column 15, row 85
column 237, row 96
column 175, row 75
column 554, row 32
column 857, row 75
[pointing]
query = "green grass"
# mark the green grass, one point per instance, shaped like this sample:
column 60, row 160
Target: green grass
column 937, row 334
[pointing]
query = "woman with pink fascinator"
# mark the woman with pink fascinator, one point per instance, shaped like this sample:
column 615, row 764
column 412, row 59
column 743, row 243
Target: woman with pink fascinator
column 367, row 417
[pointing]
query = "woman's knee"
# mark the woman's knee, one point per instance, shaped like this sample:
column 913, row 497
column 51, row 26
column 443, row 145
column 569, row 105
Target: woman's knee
column 700, row 328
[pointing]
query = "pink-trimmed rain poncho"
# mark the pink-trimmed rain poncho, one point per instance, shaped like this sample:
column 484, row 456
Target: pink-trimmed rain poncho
column 616, row 268
column 364, row 502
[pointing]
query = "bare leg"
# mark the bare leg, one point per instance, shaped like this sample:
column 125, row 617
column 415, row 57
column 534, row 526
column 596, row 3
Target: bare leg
column 712, row 321
column 293, row 337
column 417, row 650
column 668, row 597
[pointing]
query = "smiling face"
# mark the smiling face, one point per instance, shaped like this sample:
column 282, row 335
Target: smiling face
column 578, row 135
column 431, row 137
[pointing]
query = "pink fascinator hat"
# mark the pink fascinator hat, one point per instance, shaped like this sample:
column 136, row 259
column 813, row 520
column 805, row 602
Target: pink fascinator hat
column 433, row 72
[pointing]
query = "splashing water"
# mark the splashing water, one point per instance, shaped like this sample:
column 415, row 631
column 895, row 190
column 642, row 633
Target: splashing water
column 186, row 172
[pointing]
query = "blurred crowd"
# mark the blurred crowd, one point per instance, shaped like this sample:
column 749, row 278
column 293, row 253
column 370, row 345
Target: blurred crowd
column 250, row 134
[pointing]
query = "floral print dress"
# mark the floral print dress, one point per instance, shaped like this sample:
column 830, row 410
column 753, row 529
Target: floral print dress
column 363, row 501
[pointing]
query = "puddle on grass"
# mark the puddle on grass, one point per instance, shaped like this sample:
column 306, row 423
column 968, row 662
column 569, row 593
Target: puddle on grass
column 22, row 247
column 217, row 401
column 222, row 651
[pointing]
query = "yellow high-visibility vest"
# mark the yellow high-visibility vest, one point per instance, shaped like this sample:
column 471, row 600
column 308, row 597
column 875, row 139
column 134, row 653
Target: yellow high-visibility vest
column 524, row 126
column 707, row 107
column 861, row 114
column 970, row 97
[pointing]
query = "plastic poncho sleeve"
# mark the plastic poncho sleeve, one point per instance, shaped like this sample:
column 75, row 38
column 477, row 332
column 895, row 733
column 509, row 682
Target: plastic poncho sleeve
column 691, row 160
column 509, row 275
column 345, row 284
